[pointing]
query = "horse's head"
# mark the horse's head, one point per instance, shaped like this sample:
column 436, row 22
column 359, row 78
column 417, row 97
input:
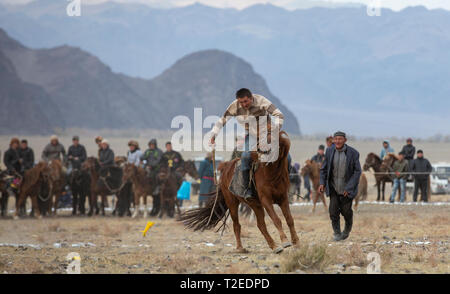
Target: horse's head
column 90, row 165
column 190, row 169
column 372, row 160
column 129, row 171
column 55, row 167
column 164, row 173
column 120, row 160
column 306, row 169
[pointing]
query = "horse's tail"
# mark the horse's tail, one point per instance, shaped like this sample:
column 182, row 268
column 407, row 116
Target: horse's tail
column 208, row 217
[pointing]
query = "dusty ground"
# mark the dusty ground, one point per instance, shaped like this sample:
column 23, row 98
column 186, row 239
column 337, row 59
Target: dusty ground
column 409, row 239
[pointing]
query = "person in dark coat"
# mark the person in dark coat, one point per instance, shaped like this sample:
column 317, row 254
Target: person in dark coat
column 152, row 158
column 295, row 180
column 320, row 156
column 26, row 155
column 206, row 174
column 77, row 153
column 307, row 186
column 106, row 158
column 339, row 177
column 172, row 158
column 409, row 150
column 11, row 158
column 421, row 169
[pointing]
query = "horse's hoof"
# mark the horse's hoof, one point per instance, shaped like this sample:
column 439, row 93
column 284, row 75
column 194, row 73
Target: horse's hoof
column 287, row 244
column 241, row 250
column 278, row 250
column 16, row 217
column 40, row 217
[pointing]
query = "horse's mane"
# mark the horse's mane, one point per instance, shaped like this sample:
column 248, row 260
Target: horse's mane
column 279, row 168
column 375, row 156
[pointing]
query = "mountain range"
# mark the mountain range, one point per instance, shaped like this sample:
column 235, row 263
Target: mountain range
column 376, row 74
column 44, row 89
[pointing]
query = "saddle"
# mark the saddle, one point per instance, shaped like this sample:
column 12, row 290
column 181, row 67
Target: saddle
column 237, row 185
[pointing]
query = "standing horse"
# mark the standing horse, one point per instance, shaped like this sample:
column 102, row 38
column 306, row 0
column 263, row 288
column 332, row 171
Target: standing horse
column 79, row 182
column 100, row 185
column 169, row 184
column 31, row 186
column 56, row 183
column 141, row 185
column 381, row 173
column 362, row 190
column 272, row 185
column 312, row 169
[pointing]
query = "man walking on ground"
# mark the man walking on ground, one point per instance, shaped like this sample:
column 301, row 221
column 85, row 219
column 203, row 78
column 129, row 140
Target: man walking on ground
column 339, row 177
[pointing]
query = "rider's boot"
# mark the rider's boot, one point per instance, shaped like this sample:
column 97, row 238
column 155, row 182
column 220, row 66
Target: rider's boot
column 249, row 193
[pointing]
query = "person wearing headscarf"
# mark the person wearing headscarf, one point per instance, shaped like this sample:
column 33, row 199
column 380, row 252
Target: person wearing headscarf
column 134, row 153
column 387, row 149
column 206, row 174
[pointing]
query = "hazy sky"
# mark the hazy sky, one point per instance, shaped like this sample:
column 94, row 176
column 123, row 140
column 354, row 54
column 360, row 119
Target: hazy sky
column 289, row 4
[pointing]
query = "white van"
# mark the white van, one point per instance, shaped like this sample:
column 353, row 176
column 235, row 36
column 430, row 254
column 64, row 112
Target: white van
column 440, row 178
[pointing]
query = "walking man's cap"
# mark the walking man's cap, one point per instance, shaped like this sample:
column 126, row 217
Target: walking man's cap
column 339, row 134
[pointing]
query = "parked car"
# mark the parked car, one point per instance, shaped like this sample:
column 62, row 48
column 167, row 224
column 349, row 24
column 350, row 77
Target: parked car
column 440, row 178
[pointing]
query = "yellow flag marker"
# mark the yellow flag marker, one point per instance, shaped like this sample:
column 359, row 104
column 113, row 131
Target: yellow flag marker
column 147, row 227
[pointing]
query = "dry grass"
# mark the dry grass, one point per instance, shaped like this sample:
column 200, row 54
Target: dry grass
column 308, row 257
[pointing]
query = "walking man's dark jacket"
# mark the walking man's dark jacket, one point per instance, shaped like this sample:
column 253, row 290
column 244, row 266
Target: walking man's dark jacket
column 352, row 170
column 77, row 151
column 27, row 156
column 421, row 165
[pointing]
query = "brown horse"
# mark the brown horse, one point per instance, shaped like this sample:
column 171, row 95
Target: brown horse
column 56, row 184
column 272, row 185
column 312, row 169
column 362, row 190
column 31, row 186
column 169, row 184
column 381, row 173
column 141, row 185
column 92, row 166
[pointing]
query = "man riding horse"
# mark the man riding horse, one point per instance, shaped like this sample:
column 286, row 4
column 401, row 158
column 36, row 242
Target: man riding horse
column 247, row 105
column 152, row 163
column 11, row 159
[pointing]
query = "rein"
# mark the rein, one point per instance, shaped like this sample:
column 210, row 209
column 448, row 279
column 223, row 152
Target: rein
column 217, row 186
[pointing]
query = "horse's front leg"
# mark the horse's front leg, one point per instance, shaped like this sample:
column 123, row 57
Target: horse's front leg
column 74, row 201
column 103, row 204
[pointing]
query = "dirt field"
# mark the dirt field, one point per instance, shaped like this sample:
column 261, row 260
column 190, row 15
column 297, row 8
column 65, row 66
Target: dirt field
column 409, row 238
